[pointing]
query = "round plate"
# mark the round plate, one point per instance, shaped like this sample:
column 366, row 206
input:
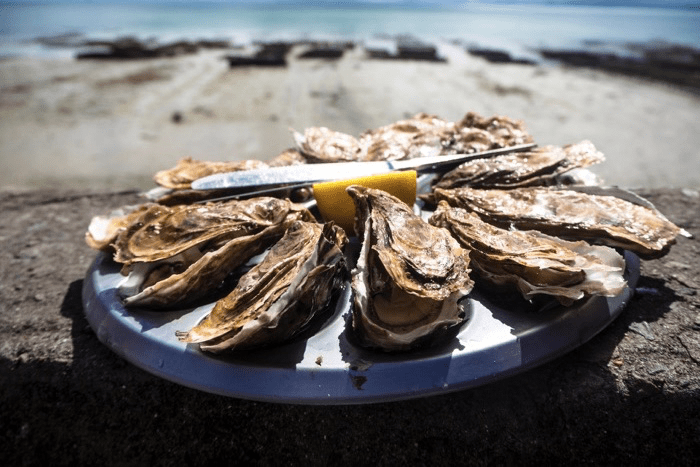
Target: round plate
column 324, row 366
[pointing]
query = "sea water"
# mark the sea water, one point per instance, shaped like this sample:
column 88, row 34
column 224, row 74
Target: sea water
column 517, row 28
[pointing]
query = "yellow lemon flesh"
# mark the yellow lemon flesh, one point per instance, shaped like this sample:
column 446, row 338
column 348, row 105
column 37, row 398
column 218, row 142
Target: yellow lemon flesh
column 336, row 205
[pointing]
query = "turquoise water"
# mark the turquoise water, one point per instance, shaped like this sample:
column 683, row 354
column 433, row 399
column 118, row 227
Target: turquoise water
column 510, row 27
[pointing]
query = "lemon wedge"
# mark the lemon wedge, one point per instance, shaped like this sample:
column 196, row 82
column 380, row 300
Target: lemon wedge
column 336, row 205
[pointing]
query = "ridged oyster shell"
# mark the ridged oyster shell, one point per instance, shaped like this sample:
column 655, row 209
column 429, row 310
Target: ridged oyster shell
column 321, row 144
column 280, row 295
column 188, row 170
column 176, row 255
column 410, row 277
column 540, row 166
column 104, row 230
column 162, row 231
column 428, row 135
column 533, row 262
column 611, row 217
column 419, row 136
column 175, row 183
column 288, row 157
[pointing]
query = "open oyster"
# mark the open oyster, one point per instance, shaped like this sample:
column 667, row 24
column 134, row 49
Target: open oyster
column 104, row 230
column 611, row 217
column 419, row 136
column 428, row 135
column 188, row 170
column 279, row 296
column 171, row 197
column 410, row 276
column 320, row 144
column 503, row 131
column 177, row 255
column 287, row 157
column 175, row 183
column 405, row 139
column 534, row 262
column 539, row 166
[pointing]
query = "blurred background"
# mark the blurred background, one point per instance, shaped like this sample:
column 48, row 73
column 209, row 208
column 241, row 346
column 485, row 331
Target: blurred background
column 102, row 94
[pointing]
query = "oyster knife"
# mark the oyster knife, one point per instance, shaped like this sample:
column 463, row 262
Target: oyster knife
column 307, row 174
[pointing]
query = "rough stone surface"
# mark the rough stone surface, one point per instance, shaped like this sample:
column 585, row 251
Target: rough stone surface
column 65, row 398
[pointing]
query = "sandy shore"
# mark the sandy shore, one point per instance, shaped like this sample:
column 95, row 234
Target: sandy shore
column 97, row 124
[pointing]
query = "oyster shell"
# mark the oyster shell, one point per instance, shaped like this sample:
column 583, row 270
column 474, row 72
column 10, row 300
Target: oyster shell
column 170, row 197
column 504, row 131
column 104, row 230
column 419, row 136
column 540, row 166
column 177, row 255
column 428, row 135
column 320, row 144
column 410, row 276
column 188, row 170
column 162, row 232
column 280, row 295
column 288, row 157
column 612, row 217
column 422, row 135
column 534, row 262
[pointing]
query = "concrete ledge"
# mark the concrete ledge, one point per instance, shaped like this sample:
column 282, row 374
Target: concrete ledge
column 630, row 394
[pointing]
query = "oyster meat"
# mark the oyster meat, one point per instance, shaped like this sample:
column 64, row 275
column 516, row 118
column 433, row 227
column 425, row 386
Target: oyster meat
column 177, row 255
column 612, row 217
column 410, row 276
column 280, row 295
column 534, row 262
column 540, row 166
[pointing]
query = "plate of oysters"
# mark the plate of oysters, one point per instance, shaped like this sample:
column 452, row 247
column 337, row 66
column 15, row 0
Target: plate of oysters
column 502, row 263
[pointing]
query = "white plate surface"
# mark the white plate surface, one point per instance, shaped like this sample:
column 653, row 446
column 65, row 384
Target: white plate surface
column 326, row 367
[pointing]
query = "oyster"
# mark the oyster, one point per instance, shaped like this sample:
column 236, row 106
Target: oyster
column 410, row 277
column 188, row 170
column 422, row 135
column 288, row 157
column 280, row 295
column 503, row 132
column 175, row 183
column 320, row 144
column 532, row 261
column 540, row 166
column 173, row 256
column 428, row 135
column 419, row 136
column 104, row 230
column 612, row 217
column 170, row 197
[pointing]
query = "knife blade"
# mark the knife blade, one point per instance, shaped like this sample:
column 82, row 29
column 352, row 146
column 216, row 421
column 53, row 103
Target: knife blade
column 314, row 173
